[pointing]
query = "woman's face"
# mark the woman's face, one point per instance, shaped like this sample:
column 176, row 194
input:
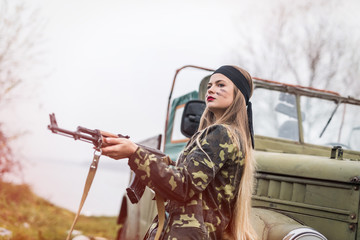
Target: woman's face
column 220, row 94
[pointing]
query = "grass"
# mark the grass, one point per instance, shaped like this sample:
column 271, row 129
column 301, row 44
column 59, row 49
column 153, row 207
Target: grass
column 31, row 217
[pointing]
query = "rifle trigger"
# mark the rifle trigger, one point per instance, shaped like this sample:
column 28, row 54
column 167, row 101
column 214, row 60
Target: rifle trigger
column 122, row 136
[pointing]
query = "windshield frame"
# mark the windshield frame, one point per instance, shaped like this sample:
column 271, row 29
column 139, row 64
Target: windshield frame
column 299, row 91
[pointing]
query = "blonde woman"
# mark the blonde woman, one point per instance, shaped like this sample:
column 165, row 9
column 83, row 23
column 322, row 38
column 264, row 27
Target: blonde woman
column 208, row 191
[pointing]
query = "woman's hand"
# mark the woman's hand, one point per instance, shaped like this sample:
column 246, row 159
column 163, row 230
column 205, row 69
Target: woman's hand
column 118, row 148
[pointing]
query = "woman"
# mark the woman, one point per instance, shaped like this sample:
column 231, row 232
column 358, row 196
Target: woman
column 209, row 190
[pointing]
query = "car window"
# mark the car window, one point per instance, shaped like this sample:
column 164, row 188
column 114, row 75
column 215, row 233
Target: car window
column 275, row 114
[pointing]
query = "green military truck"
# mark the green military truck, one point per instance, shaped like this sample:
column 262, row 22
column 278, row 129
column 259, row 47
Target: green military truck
column 307, row 147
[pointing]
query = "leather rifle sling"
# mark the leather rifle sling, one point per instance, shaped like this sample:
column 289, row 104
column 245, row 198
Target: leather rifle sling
column 161, row 214
column 89, row 180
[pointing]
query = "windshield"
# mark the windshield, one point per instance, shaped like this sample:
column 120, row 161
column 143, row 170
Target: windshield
column 343, row 128
column 275, row 115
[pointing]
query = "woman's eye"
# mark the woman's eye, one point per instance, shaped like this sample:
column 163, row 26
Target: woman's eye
column 209, row 86
column 221, row 85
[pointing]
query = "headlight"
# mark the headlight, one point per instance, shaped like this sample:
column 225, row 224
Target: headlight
column 304, row 234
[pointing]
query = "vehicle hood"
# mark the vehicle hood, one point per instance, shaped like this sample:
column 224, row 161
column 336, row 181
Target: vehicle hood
column 308, row 166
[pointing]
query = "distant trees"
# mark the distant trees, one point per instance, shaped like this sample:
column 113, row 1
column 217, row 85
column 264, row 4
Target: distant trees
column 7, row 162
column 20, row 31
column 310, row 43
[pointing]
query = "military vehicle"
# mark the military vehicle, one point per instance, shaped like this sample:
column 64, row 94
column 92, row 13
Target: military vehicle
column 307, row 148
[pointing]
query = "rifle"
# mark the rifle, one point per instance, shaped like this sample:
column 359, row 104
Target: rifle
column 135, row 189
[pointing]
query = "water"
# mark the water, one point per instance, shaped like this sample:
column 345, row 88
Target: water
column 62, row 182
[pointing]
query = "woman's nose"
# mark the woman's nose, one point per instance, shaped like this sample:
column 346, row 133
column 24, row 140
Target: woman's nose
column 210, row 90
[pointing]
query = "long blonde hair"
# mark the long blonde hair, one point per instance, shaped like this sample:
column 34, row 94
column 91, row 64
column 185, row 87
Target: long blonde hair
column 236, row 117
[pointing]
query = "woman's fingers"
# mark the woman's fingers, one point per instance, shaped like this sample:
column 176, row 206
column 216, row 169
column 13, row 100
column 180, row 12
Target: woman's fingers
column 110, row 140
column 114, row 151
column 118, row 148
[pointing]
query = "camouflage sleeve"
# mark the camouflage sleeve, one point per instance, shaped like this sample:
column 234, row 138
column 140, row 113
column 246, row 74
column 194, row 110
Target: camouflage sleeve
column 192, row 176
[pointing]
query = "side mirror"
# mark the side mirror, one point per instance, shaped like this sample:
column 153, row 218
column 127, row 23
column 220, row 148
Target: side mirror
column 191, row 117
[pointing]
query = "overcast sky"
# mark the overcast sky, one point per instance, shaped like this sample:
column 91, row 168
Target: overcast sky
column 109, row 64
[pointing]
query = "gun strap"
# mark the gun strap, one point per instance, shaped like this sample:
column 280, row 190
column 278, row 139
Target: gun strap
column 89, row 180
column 161, row 214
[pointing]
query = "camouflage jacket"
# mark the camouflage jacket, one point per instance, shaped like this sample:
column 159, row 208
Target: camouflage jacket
column 200, row 189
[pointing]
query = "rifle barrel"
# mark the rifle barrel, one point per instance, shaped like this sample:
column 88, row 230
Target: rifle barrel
column 75, row 135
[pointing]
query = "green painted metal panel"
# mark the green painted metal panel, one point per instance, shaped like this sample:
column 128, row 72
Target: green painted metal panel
column 286, row 190
column 274, row 189
column 298, row 193
column 269, row 144
column 173, row 149
column 306, row 166
column 346, row 199
column 262, row 187
column 330, row 207
column 331, row 229
column 272, row 225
